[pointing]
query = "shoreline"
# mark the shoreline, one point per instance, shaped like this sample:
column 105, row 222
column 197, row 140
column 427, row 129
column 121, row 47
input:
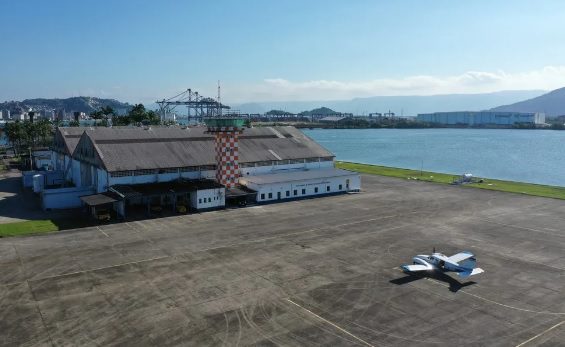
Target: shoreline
column 532, row 189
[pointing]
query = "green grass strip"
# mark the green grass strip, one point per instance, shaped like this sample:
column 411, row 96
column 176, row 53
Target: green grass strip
column 491, row 184
column 27, row 227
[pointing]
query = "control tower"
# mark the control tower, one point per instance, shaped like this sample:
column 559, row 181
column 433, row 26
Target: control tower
column 226, row 131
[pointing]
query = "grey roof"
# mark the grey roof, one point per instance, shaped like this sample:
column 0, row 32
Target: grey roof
column 301, row 175
column 135, row 148
column 70, row 137
column 98, row 199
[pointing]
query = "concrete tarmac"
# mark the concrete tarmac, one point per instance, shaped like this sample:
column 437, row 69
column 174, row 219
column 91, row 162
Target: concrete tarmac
column 318, row 272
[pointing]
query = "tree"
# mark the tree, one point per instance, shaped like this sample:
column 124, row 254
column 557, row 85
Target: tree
column 137, row 113
column 16, row 135
column 103, row 113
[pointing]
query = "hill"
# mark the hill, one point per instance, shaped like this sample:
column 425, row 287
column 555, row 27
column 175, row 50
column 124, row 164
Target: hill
column 319, row 111
column 401, row 105
column 81, row 104
column 552, row 104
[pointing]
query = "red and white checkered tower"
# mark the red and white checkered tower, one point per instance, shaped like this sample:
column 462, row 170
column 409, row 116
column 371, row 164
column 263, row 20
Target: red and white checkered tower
column 226, row 131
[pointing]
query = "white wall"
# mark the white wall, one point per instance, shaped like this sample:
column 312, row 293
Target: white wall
column 309, row 187
column 208, row 198
column 75, row 169
column 62, row 198
column 102, row 180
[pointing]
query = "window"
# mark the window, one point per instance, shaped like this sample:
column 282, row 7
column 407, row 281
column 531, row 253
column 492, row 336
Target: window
column 288, row 193
column 303, row 191
column 209, row 199
column 340, row 187
column 327, row 188
column 315, row 189
column 295, row 192
column 263, row 196
column 189, row 168
column 264, row 163
column 169, row 170
column 270, row 195
column 143, row 172
column 200, row 200
column 120, row 174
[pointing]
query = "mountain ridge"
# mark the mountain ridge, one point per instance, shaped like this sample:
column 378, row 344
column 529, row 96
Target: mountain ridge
column 84, row 104
column 551, row 103
column 401, row 105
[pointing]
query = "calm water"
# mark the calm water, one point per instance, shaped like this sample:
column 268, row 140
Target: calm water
column 536, row 156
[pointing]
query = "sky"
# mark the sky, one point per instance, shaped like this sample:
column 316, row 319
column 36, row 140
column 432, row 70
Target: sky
column 278, row 50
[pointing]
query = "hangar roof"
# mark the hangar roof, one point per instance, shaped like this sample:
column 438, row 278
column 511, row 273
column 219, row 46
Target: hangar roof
column 300, row 175
column 66, row 139
column 121, row 149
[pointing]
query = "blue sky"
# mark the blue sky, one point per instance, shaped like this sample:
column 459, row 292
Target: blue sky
column 139, row 51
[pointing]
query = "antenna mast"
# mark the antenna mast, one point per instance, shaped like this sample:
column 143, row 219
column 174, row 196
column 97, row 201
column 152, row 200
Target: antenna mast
column 219, row 100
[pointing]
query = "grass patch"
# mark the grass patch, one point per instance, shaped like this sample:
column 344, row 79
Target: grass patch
column 43, row 226
column 490, row 184
column 27, row 227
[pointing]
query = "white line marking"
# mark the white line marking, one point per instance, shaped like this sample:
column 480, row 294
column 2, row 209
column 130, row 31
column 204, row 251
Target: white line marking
column 102, row 231
column 498, row 303
column 100, row 268
column 332, row 324
column 540, row 334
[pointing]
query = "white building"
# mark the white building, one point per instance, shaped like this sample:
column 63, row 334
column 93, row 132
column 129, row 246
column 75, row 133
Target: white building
column 483, row 118
column 302, row 183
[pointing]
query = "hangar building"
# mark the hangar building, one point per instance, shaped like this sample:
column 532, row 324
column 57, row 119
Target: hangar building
column 138, row 165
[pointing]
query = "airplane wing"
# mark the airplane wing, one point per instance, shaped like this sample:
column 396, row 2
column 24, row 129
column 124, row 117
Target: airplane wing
column 414, row 268
column 473, row 272
column 459, row 257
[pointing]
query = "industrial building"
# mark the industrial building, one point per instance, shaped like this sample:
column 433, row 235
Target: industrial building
column 196, row 167
column 483, row 118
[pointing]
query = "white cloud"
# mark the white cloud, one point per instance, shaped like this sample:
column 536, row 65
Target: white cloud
column 279, row 89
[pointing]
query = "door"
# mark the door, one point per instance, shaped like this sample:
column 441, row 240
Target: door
column 279, row 195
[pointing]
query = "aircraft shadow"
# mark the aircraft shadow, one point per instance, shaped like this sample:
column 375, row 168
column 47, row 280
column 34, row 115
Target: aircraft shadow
column 454, row 285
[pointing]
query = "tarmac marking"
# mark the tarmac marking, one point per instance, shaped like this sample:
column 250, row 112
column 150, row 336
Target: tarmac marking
column 304, row 232
column 520, row 227
column 540, row 334
column 498, row 303
column 100, row 268
column 230, row 245
column 332, row 324
column 102, row 231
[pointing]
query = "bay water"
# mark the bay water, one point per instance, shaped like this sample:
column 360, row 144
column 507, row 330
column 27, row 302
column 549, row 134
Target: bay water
column 535, row 156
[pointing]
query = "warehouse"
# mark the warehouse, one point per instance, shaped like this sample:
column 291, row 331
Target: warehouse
column 142, row 165
column 483, row 118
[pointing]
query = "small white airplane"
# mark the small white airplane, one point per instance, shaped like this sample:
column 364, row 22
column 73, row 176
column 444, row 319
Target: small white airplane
column 462, row 263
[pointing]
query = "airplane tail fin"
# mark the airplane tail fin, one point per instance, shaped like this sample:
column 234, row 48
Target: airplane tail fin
column 472, row 272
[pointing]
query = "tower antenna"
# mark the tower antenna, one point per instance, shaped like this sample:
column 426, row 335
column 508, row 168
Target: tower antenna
column 219, row 100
